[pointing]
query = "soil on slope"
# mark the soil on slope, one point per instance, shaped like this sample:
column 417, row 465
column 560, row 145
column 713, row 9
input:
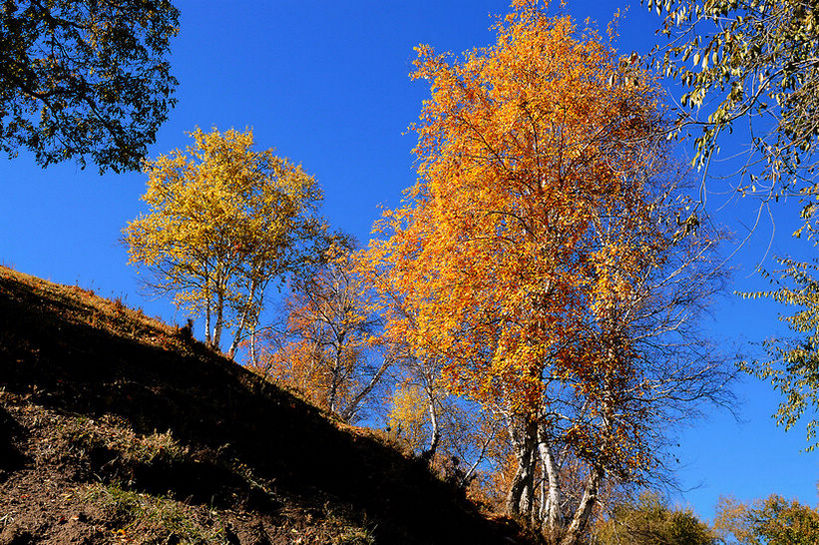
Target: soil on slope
column 116, row 428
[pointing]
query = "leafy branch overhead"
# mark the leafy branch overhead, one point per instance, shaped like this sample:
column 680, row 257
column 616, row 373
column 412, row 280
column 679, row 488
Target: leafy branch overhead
column 758, row 61
column 792, row 366
column 752, row 60
column 85, row 80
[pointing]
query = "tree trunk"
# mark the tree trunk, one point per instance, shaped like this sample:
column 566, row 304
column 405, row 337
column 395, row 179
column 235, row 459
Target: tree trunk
column 518, row 499
column 552, row 517
column 243, row 321
column 518, row 483
column 527, row 497
column 351, row 409
column 575, row 530
column 334, row 383
column 208, row 334
column 429, row 453
column 217, row 328
column 539, row 515
column 254, row 357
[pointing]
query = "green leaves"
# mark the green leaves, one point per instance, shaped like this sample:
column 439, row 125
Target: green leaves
column 772, row 521
column 649, row 520
column 85, row 80
column 793, row 364
column 751, row 59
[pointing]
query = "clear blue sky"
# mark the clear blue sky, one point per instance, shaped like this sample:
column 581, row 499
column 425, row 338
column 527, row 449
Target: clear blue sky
column 326, row 84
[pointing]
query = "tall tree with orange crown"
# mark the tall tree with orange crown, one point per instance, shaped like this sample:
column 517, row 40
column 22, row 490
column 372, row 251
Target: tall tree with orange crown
column 542, row 257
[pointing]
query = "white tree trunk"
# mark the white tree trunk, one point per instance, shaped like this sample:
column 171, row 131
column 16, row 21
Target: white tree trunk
column 254, row 356
column 248, row 306
column 220, row 320
column 208, row 333
column 352, row 408
column 552, row 519
column 575, row 529
column 429, row 453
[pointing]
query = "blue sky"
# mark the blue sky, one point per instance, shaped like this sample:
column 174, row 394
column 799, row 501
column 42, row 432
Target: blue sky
column 326, row 84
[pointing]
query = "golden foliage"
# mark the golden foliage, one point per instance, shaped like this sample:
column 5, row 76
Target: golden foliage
column 506, row 247
column 408, row 416
column 223, row 222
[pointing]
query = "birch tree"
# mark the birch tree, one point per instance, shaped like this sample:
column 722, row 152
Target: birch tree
column 330, row 349
column 225, row 221
column 548, row 261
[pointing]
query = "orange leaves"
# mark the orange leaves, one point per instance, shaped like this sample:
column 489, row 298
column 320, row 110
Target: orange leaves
column 515, row 241
column 329, row 340
column 535, row 266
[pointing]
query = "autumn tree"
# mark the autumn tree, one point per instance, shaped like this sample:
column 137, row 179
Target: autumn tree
column 225, row 221
column 648, row 520
column 85, row 79
column 772, row 521
column 543, row 259
column 417, row 409
column 329, row 349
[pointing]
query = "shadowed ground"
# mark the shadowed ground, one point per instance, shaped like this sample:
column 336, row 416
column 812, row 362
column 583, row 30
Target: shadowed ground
column 115, row 426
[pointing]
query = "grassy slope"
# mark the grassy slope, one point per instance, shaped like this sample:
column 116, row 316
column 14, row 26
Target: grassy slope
column 115, row 428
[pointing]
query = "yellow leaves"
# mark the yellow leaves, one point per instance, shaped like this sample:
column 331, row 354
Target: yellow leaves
column 223, row 221
column 408, row 416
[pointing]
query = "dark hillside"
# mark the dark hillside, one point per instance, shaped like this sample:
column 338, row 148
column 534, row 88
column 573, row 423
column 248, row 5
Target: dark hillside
column 116, row 428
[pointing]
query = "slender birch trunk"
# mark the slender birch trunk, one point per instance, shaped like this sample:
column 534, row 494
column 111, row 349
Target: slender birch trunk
column 254, row 356
column 552, row 517
column 429, row 453
column 237, row 337
column 581, row 516
column 540, row 515
column 217, row 328
column 336, row 372
column 352, row 408
column 208, row 334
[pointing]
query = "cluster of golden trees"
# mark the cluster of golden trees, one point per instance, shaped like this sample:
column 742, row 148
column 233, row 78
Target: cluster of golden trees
column 527, row 313
column 649, row 520
column 526, row 320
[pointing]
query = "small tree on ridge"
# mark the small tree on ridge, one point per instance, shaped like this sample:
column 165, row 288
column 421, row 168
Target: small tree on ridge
column 224, row 222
